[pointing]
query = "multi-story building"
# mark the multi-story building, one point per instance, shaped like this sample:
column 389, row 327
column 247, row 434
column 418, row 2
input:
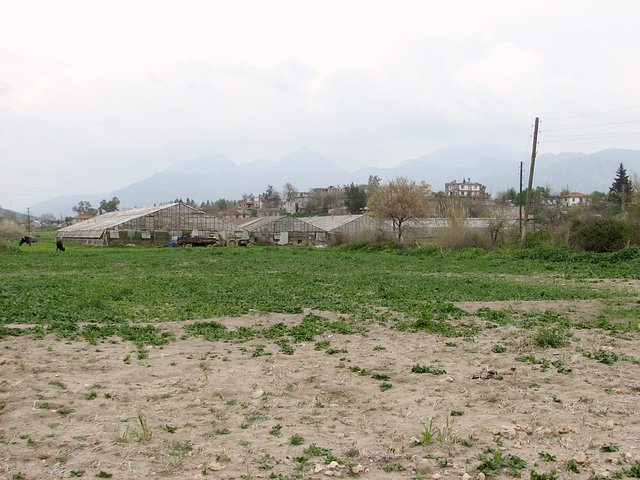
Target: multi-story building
column 466, row 188
column 574, row 199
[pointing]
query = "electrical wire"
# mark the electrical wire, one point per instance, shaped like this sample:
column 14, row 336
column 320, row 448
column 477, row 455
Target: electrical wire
column 589, row 125
column 636, row 107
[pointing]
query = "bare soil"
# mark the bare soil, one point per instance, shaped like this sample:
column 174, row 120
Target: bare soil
column 197, row 409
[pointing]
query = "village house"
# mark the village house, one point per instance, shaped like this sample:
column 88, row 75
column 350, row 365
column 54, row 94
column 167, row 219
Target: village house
column 426, row 188
column 574, row 199
column 297, row 203
column 465, row 189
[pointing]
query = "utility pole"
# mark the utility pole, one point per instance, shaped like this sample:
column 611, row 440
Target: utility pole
column 523, row 238
column 29, row 220
column 520, row 202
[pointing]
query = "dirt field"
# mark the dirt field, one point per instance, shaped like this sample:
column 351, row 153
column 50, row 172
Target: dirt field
column 198, row 409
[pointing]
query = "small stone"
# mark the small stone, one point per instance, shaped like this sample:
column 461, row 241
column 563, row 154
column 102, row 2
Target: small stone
column 257, row 394
column 480, row 476
column 3, row 361
column 524, row 428
column 358, row 469
column 609, row 425
column 215, row 466
column 436, row 476
column 508, row 432
column 333, row 465
column 466, row 476
column 580, row 457
column 424, row 467
column 564, row 429
column 340, row 365
column 328, row 473
column 318, row 468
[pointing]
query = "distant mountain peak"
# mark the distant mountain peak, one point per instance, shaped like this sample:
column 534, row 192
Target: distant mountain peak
column 206, row 164
column 215, row 176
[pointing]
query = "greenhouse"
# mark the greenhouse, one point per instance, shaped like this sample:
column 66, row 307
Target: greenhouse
column 150, row 226
column 347, row 228
column 284, row 230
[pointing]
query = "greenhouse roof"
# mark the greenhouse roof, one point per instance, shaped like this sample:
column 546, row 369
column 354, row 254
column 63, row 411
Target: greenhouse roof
column 330, row 223
column 292, row 223
column 112, row 219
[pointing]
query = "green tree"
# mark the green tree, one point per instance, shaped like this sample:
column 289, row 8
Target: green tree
column 355, row 198
column 621, row 191
column 400, row 200
column 109, row 206
column 84, row 208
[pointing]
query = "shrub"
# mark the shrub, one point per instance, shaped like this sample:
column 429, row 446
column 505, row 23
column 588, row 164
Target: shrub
column 599, row 235
column 8, row 229
column 538, row 238
column 551, row 337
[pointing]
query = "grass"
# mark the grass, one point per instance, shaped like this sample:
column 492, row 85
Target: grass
column 112, row 286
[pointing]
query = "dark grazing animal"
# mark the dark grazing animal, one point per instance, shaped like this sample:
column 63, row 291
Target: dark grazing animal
column 59, row 245
column 26, row 239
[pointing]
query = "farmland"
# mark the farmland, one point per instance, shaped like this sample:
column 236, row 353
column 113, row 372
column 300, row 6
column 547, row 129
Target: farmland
column 301, row 362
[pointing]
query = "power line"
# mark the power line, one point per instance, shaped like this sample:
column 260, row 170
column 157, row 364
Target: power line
column 595, row 134
column 593, row 113
column 590, row 125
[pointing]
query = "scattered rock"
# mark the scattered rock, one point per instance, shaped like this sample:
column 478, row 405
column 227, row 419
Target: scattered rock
column 333, row 465
column 424, row 467
column 480, row 476
column 358, row 469
column 524, row 428
column 215, row 466
column 580, row 457
column 318, row 468
column 508, row 432
column 257, row 394
column 330, row 473
column 466, row 476
column 3, row 361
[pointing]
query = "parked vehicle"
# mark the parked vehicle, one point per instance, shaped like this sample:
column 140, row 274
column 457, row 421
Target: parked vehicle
column 195, row 241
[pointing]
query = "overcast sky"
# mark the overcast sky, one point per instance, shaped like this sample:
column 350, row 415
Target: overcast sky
column 96, row 95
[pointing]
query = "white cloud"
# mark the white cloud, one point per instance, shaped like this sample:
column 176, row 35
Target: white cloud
column 506, row 70
column 96, row 95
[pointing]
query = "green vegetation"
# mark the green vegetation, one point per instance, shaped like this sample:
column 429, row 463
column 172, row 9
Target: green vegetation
column 494, row 463
column 106, row 288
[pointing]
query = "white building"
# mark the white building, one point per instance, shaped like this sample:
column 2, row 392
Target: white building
column 465, row 189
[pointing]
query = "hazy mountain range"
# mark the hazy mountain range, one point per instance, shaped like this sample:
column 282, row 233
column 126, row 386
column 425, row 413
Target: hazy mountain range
column 216, row 176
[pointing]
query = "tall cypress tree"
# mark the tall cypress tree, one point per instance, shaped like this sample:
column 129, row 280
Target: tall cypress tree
column 622, row 189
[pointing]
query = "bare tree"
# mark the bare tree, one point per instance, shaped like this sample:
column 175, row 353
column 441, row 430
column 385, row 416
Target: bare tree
column 499, row 217
column 399, row 200
column 288, row 191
